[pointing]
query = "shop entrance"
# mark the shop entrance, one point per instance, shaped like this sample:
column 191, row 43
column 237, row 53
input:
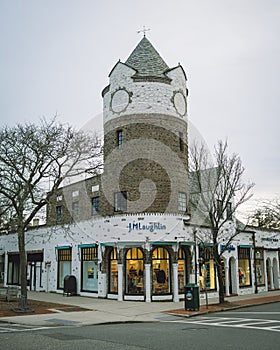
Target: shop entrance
column 268, row 274
column 34, row 270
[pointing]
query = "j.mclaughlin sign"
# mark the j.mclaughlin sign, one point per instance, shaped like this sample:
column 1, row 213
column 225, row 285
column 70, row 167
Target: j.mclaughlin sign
column 151, row 227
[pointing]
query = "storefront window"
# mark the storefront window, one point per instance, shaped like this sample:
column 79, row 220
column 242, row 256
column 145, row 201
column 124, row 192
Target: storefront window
column 89, row 269
column 161, row 271
column 113, row 273
column 182, row 273
column 13, row 269
column 2, row 259
column 259, row 266
column 244, row 267
column 134, row 271
column 64, row 257
column 207, row 274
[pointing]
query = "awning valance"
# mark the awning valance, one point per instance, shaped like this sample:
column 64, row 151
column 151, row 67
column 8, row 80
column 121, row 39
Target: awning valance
column 92, row 245
column 63, row 247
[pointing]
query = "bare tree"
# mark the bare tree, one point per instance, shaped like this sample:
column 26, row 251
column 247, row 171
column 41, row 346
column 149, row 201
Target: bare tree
column 267, row 215
column 217, row 193
column 34, row 161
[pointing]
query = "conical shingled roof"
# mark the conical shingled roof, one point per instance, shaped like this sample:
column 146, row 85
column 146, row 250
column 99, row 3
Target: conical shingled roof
column 147, row 61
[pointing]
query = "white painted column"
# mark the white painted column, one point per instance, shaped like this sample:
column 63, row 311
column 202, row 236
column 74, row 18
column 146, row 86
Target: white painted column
column 237, row 277
column 175, row 282
column 120, row 282
column 6, row 269
column 148, row 286
column 271, row 277
column 227, row 281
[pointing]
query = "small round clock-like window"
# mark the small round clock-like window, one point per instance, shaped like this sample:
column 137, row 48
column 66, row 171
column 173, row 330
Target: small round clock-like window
column 119, row 100
column 180, row 103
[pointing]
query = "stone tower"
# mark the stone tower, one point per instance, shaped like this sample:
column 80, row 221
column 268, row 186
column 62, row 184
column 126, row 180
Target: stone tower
column 145, row 136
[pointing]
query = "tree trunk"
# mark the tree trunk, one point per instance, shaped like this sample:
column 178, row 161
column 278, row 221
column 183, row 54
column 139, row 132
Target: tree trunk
column 221, row 283
column 23, row 271
column 217, row 260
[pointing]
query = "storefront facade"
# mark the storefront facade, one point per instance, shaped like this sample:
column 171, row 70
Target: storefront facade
column 139, row 264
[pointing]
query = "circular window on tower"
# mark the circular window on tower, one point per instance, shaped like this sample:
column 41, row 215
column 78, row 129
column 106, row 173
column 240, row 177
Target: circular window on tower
column 179, row 101
column 120, row 100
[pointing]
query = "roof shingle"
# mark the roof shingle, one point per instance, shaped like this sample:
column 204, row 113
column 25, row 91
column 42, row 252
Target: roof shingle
column 147, row 61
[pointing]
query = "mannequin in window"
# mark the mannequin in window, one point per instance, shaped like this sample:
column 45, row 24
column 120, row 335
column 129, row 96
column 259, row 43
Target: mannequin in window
column 240, row 275
column 161, row 276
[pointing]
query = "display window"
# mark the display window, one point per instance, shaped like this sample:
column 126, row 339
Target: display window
column 113, row 272
column 13, row 269
column 64, row 257
column 182, row 270
column 161, row 271
column 134, row 271
column 207, row 273
column 244, row 267
column 259, row 266
column 89, row 260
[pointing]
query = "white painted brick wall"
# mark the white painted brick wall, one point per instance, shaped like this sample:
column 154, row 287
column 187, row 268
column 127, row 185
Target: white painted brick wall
column 148, row 97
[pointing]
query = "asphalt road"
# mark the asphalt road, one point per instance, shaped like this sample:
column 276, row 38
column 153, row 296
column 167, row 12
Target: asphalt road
column 247, row 328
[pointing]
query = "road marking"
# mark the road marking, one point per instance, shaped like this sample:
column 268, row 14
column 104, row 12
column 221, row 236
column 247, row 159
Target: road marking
column 21, row 328
column 254, row 313
column 249, row 323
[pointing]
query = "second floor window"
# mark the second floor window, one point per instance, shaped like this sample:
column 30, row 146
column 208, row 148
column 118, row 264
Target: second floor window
column 95, row 205
column 119, row 138
column 181, row 141
column 120, row 201
column 229, row 211
column 59, row 213
column 182, row 201
column 75, row 210
column 220, row 213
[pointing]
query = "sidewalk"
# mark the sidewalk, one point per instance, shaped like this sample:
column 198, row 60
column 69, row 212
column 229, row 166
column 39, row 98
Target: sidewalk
column 100, row 311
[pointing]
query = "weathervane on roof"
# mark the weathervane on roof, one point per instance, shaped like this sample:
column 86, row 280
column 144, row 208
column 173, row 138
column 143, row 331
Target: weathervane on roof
column 144, row 30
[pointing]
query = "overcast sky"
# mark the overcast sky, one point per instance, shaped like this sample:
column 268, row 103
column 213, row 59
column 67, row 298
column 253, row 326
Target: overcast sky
column 56, row 56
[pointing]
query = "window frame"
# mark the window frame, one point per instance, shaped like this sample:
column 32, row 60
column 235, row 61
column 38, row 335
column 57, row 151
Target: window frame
column 229, row 210
column 207, row 263
column 113, row 275
column 89, row 255
column 75, row 210
column 119, row 138
column 244, row 254
column 63, row 255
column 181, row 141
column 161, row 260
column 58, row 212
column 120, row 202
column 182, row 202
column 134, row 281
column 95, row 206
column 13, row 272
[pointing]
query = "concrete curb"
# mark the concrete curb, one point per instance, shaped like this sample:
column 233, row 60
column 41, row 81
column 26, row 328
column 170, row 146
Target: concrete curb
column 199, row 313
